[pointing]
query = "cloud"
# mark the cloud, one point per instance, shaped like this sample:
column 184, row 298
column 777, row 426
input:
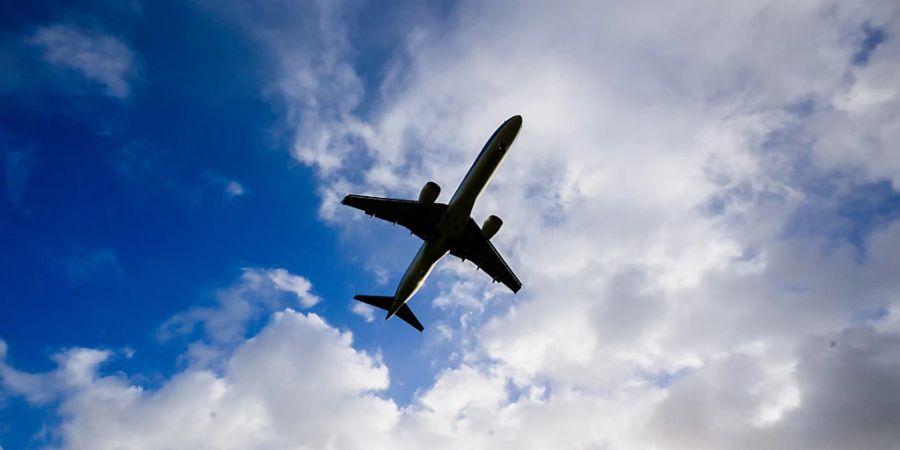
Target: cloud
column 258, row 293
column 365, row 311
column 676, row 205
column 721, row 406
column 88, row 263
column 96, row 57
column 861, row 414
column 858, row 129
column 231, row 188
column 298, row 382
column 297, row 285
column 75, row 368
column 143, row 165
column 675, row 202
column 234, row 189
column 316, row 84
column 248, row 405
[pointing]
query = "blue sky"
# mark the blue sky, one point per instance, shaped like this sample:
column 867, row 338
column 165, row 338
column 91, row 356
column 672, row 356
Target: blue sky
column 702, row 200
column 104, row 198
column 185, row 178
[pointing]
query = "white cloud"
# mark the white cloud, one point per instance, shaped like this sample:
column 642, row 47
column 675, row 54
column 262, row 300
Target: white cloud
column 652, row 201
column 231, row 188
column 858, row 130
column 76, row 368
column 257, row 294
column 363, row 310
column 294, row 284
column 96, row 57
column 234, row 189
column 298, row 383
column 316, row 83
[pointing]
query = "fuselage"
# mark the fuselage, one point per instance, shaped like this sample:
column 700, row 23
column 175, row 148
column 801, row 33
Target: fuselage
column 458, row 211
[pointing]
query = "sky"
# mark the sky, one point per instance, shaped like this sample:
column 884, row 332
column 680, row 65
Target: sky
column 703, row 206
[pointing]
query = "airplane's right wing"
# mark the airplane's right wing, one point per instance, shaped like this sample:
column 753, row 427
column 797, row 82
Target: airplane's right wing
column 420, row 218
column 473, row 246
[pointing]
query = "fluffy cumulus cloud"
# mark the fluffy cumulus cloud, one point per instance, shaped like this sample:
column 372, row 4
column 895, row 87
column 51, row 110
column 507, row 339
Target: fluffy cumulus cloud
column 696, row 204
column 225, row 324
column 298, row 383
column 96, row 57
column 699, row 205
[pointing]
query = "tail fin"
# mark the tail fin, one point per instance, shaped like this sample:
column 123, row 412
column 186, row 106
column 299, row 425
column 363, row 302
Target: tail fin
column 384, row 303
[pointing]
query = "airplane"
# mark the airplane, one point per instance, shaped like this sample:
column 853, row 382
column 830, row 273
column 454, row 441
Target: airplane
column 445, row 228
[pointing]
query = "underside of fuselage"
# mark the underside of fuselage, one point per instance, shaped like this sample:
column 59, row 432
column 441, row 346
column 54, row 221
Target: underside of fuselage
column 458, row 212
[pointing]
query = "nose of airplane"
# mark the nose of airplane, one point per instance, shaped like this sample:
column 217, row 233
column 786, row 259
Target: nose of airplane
column 516, row 121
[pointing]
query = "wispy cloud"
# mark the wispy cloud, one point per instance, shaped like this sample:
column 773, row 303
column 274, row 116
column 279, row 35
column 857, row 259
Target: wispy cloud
column 362, row 310
column 76, row 367
column 231, row 188
column 96, row 57
column 258, row 293
column 144, row 165
column 234, row 189
column 295, row 284
column 85, row 264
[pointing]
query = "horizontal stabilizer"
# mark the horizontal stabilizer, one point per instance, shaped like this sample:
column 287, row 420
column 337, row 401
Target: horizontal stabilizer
column 384, row 303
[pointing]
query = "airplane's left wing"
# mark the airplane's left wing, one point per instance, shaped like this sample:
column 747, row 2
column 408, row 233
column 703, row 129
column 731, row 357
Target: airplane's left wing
column 473, row 246
column 420, row 218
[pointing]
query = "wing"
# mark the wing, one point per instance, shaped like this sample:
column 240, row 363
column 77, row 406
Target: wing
column 420, row 218
column 473, row 246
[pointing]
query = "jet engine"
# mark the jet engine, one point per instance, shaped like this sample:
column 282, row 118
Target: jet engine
column 429, row 192
column 491, row 226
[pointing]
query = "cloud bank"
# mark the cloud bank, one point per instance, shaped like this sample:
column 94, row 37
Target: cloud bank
column 684, row 205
